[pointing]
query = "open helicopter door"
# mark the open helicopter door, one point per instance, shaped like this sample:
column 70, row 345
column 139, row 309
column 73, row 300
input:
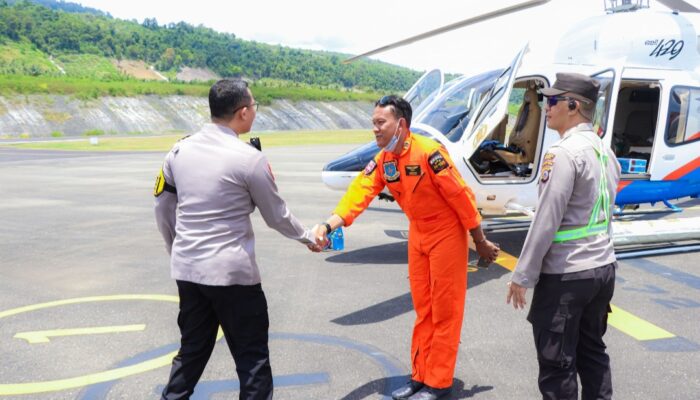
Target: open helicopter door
column 488, row 113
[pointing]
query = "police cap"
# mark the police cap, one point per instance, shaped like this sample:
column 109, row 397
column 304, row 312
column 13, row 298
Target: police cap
column 577, row 86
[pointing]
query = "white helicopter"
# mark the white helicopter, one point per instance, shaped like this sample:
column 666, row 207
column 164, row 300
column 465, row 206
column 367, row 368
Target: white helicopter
column 493, row 124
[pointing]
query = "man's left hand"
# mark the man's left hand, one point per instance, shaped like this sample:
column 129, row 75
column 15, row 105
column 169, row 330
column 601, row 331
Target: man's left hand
column 517, row 294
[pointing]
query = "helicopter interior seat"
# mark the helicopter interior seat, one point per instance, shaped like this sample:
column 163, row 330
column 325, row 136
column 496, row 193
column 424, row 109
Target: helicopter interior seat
column 522, row 141
column 638, row 136
column 494, row 157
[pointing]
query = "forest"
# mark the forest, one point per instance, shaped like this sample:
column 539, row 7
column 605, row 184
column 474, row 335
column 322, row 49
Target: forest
column 60, row 30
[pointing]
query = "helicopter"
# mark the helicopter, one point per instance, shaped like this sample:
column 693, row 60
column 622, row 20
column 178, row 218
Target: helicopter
column 493, row 123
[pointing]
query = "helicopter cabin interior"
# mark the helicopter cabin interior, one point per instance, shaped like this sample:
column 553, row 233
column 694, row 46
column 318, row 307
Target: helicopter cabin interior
column 512, row 148
column 634, row 126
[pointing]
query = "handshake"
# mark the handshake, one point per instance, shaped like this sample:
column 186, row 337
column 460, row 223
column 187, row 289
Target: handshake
column 320, row 233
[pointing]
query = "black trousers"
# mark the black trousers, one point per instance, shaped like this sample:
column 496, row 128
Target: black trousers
column 569, row 316
column 242, row 313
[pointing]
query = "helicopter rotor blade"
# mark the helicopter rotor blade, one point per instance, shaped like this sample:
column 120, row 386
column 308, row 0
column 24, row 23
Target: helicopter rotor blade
column 450, row 27
column 680, row 5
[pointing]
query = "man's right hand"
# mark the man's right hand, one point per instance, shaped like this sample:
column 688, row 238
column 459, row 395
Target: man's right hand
column 320, row 236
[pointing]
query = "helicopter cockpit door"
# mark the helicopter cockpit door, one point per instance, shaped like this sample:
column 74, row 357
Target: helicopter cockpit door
column 491, row 111
column 427, row 87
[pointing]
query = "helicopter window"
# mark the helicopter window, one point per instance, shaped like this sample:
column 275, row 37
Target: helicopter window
column 432, row 96
column 430, row 84
column 451, row 113
column 683, row 119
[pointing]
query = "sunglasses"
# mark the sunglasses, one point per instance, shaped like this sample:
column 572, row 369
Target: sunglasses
column 553, row 100
column 386, row 100
column 253, row 105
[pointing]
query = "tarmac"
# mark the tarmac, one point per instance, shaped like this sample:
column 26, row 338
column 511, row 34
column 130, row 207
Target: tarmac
column 88, row 309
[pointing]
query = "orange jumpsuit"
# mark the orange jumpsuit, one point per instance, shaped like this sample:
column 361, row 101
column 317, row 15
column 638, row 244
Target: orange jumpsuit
column 440, row 209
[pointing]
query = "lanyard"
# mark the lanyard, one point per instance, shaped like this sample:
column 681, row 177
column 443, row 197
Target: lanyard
column 594, row 227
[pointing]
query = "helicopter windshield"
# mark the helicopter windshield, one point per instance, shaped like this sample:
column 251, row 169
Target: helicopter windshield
column 450, row 114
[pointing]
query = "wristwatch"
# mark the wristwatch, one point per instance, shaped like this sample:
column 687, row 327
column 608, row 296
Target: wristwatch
column 327, row 226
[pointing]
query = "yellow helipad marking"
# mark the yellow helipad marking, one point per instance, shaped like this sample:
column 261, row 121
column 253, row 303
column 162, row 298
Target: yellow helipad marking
column 635, row 326
column 622, row 320
column 44, row 336
column 99, row 377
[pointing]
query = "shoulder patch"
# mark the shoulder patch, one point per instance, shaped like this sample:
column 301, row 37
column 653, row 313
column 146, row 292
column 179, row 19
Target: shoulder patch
column 160, row 184
column 437, row 162
column 547, row 165
column 371, row 166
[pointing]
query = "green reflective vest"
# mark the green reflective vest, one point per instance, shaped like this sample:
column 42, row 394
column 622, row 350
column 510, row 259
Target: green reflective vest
column 594, row 227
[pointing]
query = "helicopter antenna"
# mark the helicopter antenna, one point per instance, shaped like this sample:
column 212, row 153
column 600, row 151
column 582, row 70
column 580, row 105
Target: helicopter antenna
column 450, row 27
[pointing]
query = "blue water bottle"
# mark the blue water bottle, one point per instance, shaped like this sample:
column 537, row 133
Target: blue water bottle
column 337, row 242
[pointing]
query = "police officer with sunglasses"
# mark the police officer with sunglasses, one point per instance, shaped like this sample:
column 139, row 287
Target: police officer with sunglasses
column 568, row 256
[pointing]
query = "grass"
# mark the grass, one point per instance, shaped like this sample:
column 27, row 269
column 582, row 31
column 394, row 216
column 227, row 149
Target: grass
column 89, row 66
column 88, row 88
column 22, row 58
column 164, row 143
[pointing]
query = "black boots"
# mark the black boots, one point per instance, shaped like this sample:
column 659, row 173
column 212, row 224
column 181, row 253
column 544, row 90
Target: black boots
column 404, row 392
column 429, row 393
column 418, row 391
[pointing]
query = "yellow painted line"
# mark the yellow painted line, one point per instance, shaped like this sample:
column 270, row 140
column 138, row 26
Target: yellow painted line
column 620, row 319
column 44, row 336
column 504, row 259
column 50, row 304
column 98, row 377
column 635, row 326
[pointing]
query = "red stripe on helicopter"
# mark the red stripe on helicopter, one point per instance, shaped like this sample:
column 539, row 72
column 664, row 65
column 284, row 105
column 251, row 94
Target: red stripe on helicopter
column 696, row 135
column 684, row 170
column 622, row 184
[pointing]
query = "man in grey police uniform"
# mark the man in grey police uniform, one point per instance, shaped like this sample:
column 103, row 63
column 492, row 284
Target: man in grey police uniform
column 209, row 185
column 568, row 255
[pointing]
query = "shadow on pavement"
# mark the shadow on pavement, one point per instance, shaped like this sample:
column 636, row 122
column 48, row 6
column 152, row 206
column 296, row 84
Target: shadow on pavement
column 392, row 253
column 395, row 253
column 385, row 386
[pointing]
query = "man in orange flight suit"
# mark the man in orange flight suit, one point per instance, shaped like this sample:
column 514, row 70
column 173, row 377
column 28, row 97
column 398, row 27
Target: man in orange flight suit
column 441, row 209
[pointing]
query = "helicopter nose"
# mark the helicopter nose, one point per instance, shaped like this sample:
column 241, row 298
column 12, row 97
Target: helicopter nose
column 355, row 160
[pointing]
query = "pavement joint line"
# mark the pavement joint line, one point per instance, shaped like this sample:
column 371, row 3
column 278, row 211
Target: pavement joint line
column 620, row 319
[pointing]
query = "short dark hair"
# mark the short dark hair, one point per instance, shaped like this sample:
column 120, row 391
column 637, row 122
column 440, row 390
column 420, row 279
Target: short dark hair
column 399, row 107
column 227, row 96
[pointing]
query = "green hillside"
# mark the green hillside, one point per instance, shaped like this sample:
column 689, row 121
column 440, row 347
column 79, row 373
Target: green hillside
column 36, row 40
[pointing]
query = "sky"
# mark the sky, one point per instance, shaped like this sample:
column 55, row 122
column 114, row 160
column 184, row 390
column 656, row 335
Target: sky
column 358, row 26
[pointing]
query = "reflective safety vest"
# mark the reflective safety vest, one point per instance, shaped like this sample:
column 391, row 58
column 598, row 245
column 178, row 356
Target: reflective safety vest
column 594, row 227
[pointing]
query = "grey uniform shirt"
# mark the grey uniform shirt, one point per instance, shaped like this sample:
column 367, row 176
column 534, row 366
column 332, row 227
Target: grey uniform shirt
column 568, row 190
column 206, row 225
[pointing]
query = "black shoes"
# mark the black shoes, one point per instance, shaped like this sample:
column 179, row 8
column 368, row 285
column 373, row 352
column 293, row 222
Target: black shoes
column 429, row 393
column 406, row 391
